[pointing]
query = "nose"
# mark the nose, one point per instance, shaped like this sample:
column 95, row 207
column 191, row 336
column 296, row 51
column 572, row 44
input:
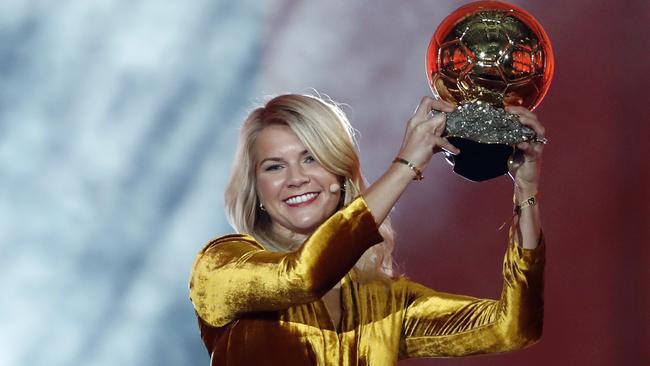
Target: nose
column 296, row 176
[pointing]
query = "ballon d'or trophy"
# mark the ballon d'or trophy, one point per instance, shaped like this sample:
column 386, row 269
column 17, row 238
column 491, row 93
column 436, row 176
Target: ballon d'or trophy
column 483, row 56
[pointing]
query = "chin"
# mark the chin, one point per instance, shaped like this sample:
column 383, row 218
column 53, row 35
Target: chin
column 307, row 221
column 307, row 227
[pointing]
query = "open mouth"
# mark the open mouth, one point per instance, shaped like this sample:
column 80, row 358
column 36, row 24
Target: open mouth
column 301, row 200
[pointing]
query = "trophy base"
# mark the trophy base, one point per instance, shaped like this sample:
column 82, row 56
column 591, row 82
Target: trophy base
column 481, row 122
column 479, row 161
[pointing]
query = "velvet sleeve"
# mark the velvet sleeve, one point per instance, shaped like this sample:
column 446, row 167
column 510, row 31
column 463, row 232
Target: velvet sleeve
column 234, row 275
column 441, row 324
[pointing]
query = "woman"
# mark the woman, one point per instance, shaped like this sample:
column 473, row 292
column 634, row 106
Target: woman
column 309, row 280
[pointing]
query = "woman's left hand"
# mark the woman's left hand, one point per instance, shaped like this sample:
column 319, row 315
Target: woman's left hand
column 525, row 164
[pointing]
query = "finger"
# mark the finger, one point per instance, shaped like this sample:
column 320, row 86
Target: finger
column 434, row 124
column 520, row 111
column 531, row 150
column 524, row 146
column 448, row 146
column 428, row 104
column 424, row 107
column 530, row 147
column 440, row 126
column 436, row 117
column 444, row 106
column 534, row 124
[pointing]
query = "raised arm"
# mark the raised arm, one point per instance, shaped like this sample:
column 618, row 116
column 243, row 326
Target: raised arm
column 421, row 140
column 234, row 275
column 441, row 324
column 525, row 172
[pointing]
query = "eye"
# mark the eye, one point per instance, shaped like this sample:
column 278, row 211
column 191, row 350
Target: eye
column 272, row 167
column 309, row 159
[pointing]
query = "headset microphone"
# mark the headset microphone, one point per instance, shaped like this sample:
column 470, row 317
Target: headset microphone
column 335, row 188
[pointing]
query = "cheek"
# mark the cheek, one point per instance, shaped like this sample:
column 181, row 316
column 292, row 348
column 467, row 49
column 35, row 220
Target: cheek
column 268, row 186
column 325, row 177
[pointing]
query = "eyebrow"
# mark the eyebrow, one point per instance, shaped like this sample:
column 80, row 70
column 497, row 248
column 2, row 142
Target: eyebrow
column 274, row 159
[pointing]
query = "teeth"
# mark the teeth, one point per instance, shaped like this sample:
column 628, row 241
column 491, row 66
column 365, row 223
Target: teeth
column 300, row 199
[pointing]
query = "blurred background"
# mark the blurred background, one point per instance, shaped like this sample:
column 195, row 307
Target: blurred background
column 118, row 123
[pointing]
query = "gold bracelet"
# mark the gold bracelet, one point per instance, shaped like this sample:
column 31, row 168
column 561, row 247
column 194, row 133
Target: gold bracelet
column 530, row 201
column 418, row 172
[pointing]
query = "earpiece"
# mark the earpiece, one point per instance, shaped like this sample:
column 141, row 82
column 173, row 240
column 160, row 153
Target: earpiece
column 335, row 188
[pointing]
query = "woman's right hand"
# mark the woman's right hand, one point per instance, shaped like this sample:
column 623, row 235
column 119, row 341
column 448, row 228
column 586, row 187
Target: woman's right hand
column 423, row 136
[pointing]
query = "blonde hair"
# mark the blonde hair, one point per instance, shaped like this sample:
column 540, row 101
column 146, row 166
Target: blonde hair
column 326, row 132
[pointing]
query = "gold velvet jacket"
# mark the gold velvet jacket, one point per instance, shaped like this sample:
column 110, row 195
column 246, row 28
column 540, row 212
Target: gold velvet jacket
column 257, row 307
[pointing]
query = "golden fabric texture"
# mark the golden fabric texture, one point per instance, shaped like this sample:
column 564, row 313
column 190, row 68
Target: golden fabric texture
column 257, row 307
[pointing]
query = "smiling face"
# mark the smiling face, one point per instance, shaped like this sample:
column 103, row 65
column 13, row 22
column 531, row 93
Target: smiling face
column 291, row 184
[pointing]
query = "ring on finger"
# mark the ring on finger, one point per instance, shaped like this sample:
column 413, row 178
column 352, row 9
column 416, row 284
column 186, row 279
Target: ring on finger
column 542, row 140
